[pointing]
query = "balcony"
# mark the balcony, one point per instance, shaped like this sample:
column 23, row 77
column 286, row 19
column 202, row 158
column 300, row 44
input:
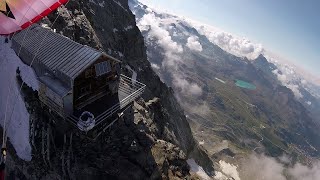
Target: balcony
column 105, row 110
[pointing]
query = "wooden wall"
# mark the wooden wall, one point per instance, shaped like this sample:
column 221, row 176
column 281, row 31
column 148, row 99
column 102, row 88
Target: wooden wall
column 88, row 86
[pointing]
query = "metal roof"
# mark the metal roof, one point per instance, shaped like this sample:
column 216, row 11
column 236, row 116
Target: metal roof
column 56, row 52
column 55, row 85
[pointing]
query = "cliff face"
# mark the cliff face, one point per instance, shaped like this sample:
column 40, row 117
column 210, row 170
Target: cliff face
column 110, row 25
column 152, row 144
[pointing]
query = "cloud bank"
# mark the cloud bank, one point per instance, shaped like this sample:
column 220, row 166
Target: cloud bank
column 233, row 44
column 151, row 23
column 269, row 168
column 262, row 167
column 172, row 52
column 300, row 171
column 237, row 46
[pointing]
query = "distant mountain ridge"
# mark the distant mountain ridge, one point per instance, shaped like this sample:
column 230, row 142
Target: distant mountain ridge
column 190, row 61
column 305, row 91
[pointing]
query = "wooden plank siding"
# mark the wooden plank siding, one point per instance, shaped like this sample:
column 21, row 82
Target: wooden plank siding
column 51, row 99
column 88, row 86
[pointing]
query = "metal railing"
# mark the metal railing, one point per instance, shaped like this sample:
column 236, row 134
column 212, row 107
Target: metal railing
column 129, row 90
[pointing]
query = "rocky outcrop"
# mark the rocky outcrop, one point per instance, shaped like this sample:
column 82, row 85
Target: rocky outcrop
column 153, row 143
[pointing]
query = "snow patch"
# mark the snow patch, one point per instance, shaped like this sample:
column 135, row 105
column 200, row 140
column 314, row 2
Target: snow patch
column 120, row 54
column 128, row 28
column 101, row 4
column 195, row 168
column 229, row 169
column 155, row 66
column 119, row 4
column 18, row 124
column 220, row 80
column 29, row 77
column 220, row 176
column 201, row 142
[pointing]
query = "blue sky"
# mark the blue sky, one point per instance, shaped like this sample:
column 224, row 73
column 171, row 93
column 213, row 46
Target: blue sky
column 290, row 29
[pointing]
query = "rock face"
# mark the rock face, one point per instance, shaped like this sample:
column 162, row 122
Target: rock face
column 153, row 143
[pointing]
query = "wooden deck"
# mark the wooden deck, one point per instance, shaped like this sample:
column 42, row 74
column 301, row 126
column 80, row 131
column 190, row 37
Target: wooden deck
column 106, row 108
column 99, row 106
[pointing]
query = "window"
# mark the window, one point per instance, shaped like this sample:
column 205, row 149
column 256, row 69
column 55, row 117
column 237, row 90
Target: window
column 102, row 68
column 89, row 73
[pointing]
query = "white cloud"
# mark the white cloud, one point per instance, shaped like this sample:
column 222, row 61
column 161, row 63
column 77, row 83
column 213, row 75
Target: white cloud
column 235, row 45
column 172, row 52
column 194, row 44
column 300, row 171
column 303, row 81
column 287, row 79
column 268, row 168
column 295, row 89
column 261, row 167
column 186, row 87
column 151, row 23
column 285, row 159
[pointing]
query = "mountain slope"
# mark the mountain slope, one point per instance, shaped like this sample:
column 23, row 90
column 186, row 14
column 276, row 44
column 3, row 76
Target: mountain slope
column 203, row 76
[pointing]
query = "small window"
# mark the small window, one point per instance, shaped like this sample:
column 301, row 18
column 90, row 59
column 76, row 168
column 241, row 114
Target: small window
column 102, row 68
column 89, row 73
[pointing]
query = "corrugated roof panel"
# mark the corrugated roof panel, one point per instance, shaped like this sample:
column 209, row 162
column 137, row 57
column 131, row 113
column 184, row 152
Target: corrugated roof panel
column 66, row 56
column 48, row 50
column 32, row 37
column 52, row 53
column 36, row 48
column 78, row 71
column 55, row 51
column 85, row 62
column 72, row 60
column 25, row 41
column 50, row 58
column 64, row 49
column 80, row 59
column 43, row 53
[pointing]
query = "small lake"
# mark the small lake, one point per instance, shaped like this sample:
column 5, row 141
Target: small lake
column 244, row 84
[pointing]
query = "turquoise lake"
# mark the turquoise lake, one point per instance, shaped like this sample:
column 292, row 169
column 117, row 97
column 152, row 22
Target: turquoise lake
column 245, row 85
